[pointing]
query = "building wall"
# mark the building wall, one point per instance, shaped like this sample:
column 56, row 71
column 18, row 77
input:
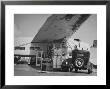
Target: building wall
column 93, row 55
column 43, row 47
column 26, row 51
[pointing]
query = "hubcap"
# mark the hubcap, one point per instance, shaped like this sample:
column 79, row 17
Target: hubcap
column 79, row 62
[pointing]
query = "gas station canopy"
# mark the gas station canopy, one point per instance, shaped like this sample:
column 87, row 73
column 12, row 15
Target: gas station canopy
column 58, row 26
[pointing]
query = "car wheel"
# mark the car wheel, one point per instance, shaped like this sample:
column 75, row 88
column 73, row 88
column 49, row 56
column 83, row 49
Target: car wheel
column 79, row 62
column 71, row 69
column 89, row 71
column 90, row 68
column 76, row 70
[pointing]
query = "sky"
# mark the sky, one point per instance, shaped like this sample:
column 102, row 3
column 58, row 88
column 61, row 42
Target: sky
column 26, row 26
column 88, row 30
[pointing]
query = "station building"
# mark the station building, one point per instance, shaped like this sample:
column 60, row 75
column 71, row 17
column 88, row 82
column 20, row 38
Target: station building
column 55, row 41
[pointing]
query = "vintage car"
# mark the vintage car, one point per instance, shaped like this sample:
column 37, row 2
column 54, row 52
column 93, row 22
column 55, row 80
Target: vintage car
column 79, row 61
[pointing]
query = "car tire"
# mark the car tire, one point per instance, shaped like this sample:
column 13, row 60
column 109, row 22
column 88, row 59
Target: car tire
column 79, row 62
column 90, row 68
column 89, row 71
column 71, row 69
column 76, row 70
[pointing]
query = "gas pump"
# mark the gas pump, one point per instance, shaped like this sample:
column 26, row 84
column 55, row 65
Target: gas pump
column 39, row 58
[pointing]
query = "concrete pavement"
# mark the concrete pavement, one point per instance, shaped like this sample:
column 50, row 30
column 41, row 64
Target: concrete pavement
column 26, row 70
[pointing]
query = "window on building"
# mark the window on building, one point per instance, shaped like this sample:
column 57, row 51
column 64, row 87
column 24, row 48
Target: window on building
column 38, row 48
column 34, row 48
column 19, row 48
column 39, row 54
column 31, row 48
